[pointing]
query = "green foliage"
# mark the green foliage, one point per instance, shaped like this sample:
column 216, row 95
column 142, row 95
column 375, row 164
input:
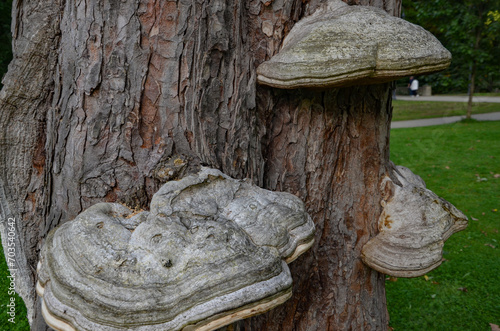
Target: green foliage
column 460, row 163
column 5, row 36
column 470, row 30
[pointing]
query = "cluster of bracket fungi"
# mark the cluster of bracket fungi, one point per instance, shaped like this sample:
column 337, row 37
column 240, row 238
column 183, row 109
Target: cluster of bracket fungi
column 213, row 249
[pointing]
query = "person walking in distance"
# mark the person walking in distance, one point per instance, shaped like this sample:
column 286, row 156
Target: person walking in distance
column 409, row 84
column 413, row 86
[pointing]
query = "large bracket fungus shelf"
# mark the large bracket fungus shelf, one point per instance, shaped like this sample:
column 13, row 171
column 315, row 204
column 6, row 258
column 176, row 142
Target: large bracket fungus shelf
column 413, row 226
column 341, row 45
column 212, row 250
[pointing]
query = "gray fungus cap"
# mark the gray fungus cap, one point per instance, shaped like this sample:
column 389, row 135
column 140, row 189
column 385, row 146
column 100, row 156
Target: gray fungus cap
column 340, row 45
column 413, row 227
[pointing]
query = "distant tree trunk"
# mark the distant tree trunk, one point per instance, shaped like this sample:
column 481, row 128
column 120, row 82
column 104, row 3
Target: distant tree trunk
column 477, row 41
column 103, row 94
column 471, row 89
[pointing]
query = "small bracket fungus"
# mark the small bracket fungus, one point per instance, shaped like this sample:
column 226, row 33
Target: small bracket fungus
column 198, row 260
column 413, row 226
column 341, row 45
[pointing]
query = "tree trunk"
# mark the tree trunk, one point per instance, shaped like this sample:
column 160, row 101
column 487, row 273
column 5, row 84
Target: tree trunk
column 471, row 90
column 331, row 150
column 477, row 41
column 101, row 95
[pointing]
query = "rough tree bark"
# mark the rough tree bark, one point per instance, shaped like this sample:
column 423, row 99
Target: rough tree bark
column 102, row 96
column 331, row 149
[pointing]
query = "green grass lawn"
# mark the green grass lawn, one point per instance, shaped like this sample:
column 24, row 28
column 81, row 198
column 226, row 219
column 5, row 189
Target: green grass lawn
column 412, row 110
column 461, row 163
column 20, row 320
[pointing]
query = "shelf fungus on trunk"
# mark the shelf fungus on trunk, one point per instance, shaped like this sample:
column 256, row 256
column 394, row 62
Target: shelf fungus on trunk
column 274, row 219
column 413, row 226
column 198, row 260
column 341, row 45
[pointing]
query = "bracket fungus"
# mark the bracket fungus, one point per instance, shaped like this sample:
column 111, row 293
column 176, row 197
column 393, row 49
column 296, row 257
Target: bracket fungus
column 413, row 226
column 274, row 219
column 342, row 45
column 199, row 260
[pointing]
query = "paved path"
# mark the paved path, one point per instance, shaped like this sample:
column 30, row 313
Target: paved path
column 449, row 98
column 443, row 120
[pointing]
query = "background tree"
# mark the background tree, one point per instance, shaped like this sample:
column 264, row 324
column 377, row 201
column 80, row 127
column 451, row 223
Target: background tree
column 5, row 36
column 103, row 94
column 470, row 30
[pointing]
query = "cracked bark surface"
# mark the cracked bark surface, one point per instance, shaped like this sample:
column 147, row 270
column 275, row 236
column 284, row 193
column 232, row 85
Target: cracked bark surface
column 105, row 100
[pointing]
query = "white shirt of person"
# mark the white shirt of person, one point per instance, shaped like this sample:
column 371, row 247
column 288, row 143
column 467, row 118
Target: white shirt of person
column 414, row 85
